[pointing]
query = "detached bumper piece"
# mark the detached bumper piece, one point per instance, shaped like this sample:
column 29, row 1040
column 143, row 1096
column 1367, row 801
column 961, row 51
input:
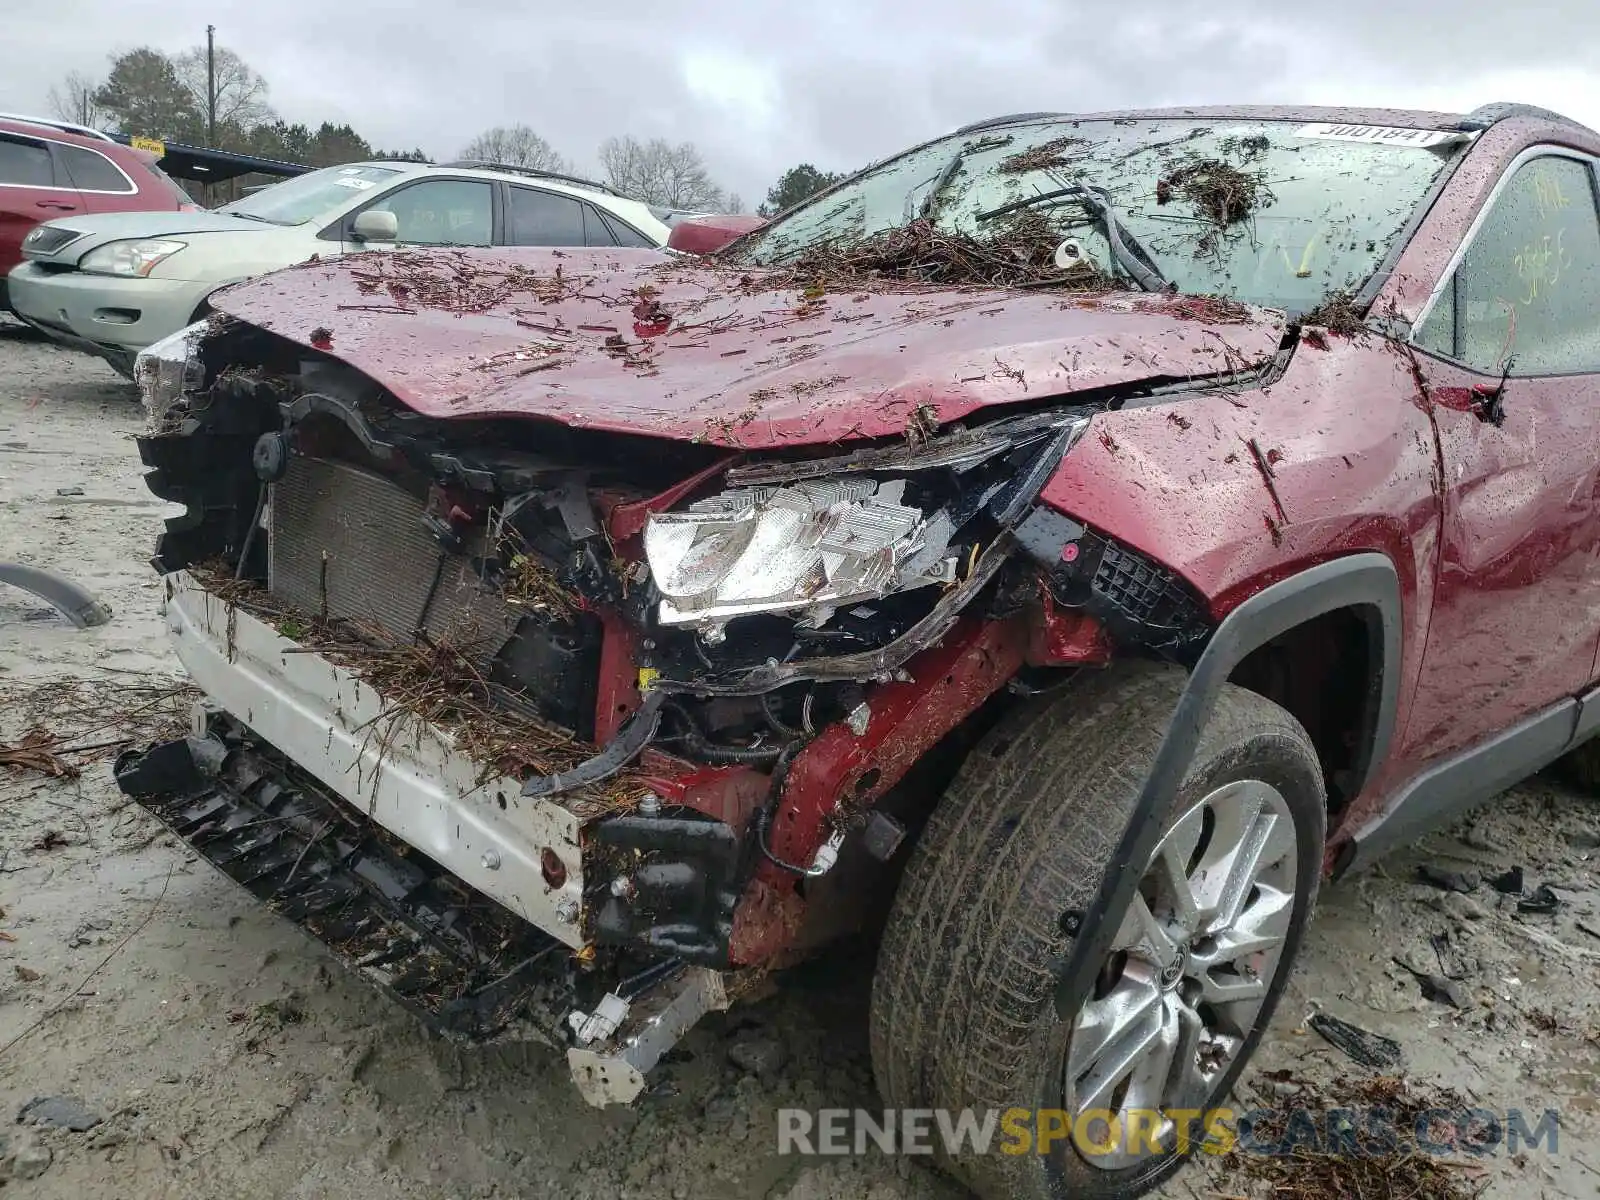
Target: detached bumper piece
column 465, row 965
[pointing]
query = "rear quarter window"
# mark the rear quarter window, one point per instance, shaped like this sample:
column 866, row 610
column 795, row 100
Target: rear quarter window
column 625, row 234
column 93, row 172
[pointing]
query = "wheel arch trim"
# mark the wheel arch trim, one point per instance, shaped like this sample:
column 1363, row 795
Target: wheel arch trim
column 1367, row 582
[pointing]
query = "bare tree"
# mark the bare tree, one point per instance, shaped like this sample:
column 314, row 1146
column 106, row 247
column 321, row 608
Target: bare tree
column 658, row 172
column 241, row 100
column 517, row 146
column 73, row 99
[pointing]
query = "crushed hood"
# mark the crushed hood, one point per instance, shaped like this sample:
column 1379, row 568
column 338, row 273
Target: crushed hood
column 650, row 343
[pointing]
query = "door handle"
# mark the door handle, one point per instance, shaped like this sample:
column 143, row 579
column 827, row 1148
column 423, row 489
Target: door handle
column 56, row 206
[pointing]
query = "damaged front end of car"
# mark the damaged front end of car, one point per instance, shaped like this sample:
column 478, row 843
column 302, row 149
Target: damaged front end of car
column 578, row 734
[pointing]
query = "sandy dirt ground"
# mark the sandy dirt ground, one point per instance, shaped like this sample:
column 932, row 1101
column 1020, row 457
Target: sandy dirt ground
column 227, row 1056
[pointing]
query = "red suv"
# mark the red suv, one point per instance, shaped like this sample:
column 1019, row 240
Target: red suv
column 51, row 169
column 1090, row 530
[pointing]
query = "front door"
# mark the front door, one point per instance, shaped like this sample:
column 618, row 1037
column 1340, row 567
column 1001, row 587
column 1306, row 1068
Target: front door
column 1512, row 362
column 29, row 193
column 434, row 212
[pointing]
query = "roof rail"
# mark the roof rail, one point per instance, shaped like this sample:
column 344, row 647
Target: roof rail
column 60, row 126
column 1486, row 115
column 1008, row 120
column 479, row 164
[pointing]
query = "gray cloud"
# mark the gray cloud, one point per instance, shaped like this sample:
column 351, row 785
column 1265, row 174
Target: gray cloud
column 763, row 84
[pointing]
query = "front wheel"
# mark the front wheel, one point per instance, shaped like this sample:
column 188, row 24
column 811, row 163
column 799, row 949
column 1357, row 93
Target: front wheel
column 963, row 1013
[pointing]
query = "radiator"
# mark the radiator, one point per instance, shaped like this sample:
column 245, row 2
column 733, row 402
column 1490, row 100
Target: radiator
column 351, row 545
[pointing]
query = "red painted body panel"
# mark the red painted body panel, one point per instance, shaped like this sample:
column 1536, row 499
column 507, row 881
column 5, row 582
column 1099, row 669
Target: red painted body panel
column 702, row 235
column 740, row 365
column 947, row 683
column 1351, row 453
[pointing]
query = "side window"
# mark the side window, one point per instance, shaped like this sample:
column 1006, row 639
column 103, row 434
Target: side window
column 1527, row 292
column 442, row 212
column 26, row 163
column 595, row 230
column 545, row 219
column 91, row 172
column 626, row 235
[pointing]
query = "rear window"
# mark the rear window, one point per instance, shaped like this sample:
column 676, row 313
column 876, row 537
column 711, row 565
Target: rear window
column 92, row 172
column 626, row 235
column 545, row 219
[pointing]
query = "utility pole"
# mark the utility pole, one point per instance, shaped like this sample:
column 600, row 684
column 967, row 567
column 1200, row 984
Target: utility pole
column 211, row 85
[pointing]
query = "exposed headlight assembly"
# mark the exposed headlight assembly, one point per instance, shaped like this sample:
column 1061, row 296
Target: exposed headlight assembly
column 138, row 257
column 166, row 369
column 811, row 537
column 813, row 545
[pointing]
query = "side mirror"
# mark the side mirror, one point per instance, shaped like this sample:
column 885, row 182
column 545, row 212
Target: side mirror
column 374, row 225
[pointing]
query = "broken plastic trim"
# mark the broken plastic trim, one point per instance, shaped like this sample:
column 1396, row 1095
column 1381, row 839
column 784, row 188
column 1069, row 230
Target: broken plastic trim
column 958, row 450
column 346, row 413
column 78, row 605
column 635, row 734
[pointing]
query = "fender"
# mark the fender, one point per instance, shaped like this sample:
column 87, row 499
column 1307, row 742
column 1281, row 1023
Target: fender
column 1366, row 582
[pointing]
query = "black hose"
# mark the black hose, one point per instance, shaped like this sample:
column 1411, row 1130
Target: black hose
column 780, row 776
column 769, row 708
column 634, row 986
column 250, row 534
column 703, row 748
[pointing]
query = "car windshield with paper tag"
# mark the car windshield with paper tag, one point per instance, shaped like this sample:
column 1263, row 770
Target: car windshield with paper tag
column 1267, row 212
column 296, row 201
column 1056, row 549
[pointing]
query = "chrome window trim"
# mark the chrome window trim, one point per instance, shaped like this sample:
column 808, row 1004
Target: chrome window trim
column 1543, row 150
column 131, row 190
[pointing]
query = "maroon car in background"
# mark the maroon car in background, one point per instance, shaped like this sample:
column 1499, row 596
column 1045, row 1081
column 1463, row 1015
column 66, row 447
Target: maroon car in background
column 1089, row 530
column 51, row 169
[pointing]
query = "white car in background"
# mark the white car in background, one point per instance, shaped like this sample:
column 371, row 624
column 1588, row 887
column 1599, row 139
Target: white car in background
column 112, row 284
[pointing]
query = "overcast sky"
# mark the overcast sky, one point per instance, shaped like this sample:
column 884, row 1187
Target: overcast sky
column 762, row 84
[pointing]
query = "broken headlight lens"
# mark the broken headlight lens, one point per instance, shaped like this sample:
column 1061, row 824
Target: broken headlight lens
column 166, row 369
column 810, row 546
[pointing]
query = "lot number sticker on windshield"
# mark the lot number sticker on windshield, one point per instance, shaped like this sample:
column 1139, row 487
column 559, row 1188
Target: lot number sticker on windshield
column 360, row 185
column 1388, row 135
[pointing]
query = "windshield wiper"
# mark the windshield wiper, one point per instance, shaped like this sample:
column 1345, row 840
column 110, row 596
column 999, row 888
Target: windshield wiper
column 946, row 173
column 1129, row 253
column 244, row 216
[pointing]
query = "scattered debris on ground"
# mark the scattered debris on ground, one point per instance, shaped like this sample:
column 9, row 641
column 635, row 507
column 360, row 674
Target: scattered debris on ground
column 1362, row 1046
column 34, row 753
column 1448, row 880
column 72, row 721
column 58, row 1112
column 1326, row 1144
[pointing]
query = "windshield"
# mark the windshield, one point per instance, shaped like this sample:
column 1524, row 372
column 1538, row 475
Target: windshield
column 1281, row 214
column 309, row 197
